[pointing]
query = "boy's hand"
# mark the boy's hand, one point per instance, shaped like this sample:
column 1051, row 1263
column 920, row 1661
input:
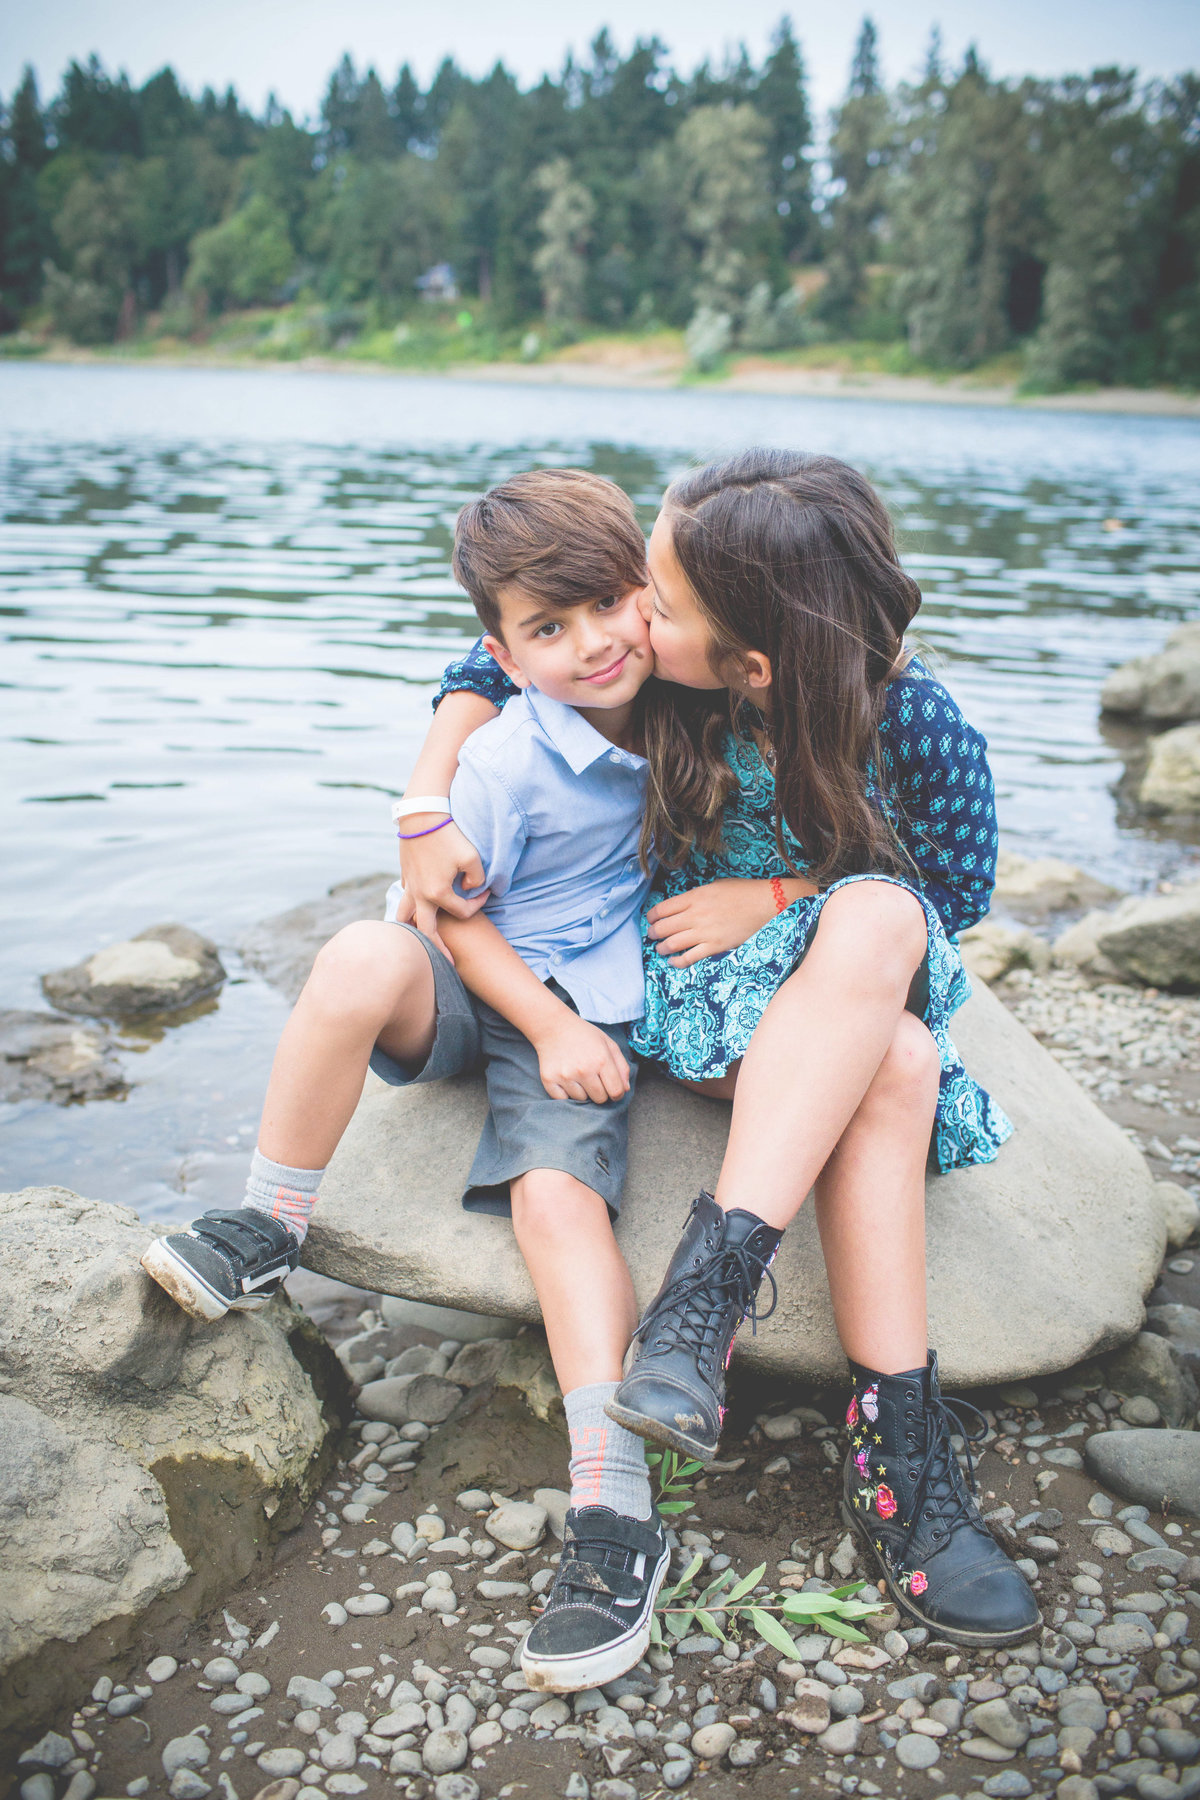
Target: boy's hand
column 578, row 1061
column 429, row 867
column 712, row 920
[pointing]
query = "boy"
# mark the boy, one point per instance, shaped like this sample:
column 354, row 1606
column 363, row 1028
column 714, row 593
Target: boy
column 543, row 985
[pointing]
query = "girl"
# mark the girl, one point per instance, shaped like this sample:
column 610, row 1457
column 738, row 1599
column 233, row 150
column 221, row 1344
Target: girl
column 823, row 815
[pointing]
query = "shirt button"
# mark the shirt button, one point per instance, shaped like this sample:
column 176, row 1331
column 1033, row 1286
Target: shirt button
column 615, row 756
column 604, row 912
column 556, row 958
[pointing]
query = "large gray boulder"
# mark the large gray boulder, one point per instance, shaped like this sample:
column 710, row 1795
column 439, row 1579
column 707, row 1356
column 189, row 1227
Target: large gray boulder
column 145, row 1459
column 162, row 970
column 1161, row 687
column 1035, row 1262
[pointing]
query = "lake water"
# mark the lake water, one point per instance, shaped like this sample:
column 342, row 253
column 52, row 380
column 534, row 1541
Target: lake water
column 226, row 601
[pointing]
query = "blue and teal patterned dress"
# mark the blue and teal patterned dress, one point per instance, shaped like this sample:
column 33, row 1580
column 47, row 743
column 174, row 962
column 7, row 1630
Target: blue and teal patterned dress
column 936, row 786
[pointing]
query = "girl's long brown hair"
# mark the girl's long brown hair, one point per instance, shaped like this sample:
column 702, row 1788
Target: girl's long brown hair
column 793, row 556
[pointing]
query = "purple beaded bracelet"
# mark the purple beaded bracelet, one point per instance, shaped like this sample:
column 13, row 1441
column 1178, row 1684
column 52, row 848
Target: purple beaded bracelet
column 406, row 837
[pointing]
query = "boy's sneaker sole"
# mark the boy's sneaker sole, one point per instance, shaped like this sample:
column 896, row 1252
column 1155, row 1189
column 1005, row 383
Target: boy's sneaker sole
column 592, row 1668
column 188, row 1288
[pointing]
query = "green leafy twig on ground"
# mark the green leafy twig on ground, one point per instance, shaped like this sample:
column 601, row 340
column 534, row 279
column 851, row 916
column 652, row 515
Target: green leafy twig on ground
column 726, row 1607
column 675, row 1476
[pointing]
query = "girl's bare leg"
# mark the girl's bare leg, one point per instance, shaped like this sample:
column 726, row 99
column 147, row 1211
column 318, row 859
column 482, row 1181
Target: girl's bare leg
column 582, row 1282
column 870, row 1199
column 818, row 1047
column 370, row 984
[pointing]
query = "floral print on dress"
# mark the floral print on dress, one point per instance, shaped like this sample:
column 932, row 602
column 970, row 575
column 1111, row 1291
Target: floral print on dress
column 699, row 1020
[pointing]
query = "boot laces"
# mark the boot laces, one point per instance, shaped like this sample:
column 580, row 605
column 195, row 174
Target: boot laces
column 692, row 1310
column 940, row 1478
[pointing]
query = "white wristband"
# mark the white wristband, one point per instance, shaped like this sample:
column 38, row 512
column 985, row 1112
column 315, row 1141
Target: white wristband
column 419, row 803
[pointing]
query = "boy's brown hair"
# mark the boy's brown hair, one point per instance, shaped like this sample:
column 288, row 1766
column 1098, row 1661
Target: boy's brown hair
column 563, row 536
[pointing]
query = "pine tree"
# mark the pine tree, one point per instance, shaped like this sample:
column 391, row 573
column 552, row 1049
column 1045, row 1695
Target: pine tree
column 780, row 96
column 860, row 153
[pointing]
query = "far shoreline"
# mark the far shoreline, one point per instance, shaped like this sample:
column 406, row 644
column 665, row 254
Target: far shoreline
column 748, row 375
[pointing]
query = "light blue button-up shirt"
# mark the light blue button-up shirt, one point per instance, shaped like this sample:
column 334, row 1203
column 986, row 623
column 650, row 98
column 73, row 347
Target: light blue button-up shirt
column 554, row 811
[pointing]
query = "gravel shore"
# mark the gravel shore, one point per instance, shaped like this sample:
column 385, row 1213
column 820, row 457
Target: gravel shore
column 377, row 1653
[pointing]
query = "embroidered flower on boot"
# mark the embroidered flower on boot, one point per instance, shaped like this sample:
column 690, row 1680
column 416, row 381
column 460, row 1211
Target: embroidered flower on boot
column 852, row 1412
column 885, row 1502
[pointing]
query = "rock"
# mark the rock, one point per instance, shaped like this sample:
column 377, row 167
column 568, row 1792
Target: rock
column 187, row 1785
column 149, row 1456
column 282, row 948
column 1181, row 1212
column 161, row 1668
column 712, row 1741
column 1079, row 948
column 190, row 1752
column 992, row 949
column 425, row 1399
column 53, row 1751
column 283, row 1761
column 1141, row 1410
column 1077, row 1787
column 43, row 1057
column 842, row 1738
column 462, row 1787
column 914, row 1751
column 1146, row 1366
column 1067, row 1209
column 286, row 1789
column 444, row 1751
column 418, row 1359
column 1171, row 783
column 161, row 970
column 1156, row 1468
column 1163, row 686
column 1179, row 1326
column 557, row 1503
column 1002, row 1722
column 368, row 1606
column 1030, row 888
column 467, row 1327
column 1155, row 940
column 477, row 1363
column 518, row 1524
column 311, row 1693
column 41, row 1787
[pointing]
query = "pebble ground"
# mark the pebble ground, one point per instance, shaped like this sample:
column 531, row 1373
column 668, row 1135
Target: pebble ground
column 376, row 1653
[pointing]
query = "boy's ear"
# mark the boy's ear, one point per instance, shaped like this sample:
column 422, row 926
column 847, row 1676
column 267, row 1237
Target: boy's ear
column 497, row 649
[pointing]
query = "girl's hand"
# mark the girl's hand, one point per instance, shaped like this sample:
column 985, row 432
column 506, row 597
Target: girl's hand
column 578, row 1061
column 712, row 920
column 429, row 867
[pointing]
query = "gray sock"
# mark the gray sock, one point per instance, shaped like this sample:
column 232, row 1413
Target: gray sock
column 608, row 1463
column 287, row 1194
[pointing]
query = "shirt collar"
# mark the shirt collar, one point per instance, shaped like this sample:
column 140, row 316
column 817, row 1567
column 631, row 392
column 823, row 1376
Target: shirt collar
column 577, row 742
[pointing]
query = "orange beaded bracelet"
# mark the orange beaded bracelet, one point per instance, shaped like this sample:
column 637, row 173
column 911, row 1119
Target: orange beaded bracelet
column 781, row 899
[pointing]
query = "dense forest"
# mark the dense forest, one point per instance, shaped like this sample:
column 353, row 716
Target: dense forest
column 958, row 216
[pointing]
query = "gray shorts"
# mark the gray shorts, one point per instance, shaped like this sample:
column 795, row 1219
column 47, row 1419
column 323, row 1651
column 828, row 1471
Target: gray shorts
column 525, row 1129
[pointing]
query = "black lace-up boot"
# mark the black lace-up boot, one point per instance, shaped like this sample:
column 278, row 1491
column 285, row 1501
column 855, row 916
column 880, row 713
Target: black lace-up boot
column 905, row 1496
column 674, row 1392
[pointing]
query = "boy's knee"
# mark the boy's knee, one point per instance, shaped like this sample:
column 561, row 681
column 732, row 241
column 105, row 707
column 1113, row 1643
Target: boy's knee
column 553, row 1204
column 364, row 967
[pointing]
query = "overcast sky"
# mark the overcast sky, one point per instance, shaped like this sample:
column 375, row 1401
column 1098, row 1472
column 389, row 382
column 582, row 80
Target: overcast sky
column 290, row 46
